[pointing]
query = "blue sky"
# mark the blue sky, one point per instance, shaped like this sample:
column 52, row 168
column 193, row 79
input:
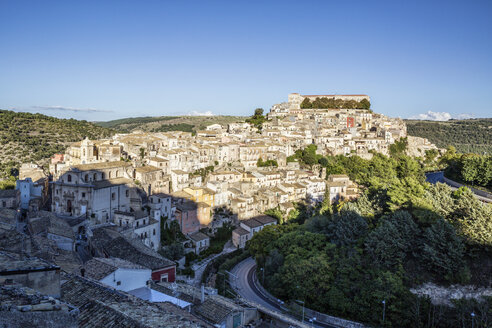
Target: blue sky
column 101, row 60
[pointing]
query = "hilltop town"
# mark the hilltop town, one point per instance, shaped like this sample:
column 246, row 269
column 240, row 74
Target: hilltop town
column 118, row 205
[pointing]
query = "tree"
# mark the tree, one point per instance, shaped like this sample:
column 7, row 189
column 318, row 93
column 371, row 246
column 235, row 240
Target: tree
column 443, row 250
column 257, row 119
column 173, row 252
column 399, row 147
column 365, row 104
column 389, row 243
column 276, row 213
column 306, row 103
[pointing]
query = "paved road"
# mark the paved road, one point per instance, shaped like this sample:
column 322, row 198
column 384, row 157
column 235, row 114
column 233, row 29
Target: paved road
column 435, row 177
column 200, row 267
column 243, row 282
column 243, row 271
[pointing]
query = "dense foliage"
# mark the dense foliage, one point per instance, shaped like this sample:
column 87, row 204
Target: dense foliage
column 218, row 269
column 468, row 136
column 27, row 137
column 174, row 127
column 168, row 123
column 400, row 233
column 471, row 169
column 257, row 119
column 267, row 163
column 327, row 103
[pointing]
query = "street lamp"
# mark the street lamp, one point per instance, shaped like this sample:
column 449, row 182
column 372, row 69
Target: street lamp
column 302, row 309
column 384, row 308
column 473, row 318
column 312, row 320
column 263, row 280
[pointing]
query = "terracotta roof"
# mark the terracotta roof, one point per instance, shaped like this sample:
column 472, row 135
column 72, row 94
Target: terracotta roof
column 130, row 250
column 213, row 311
column 24, row 307
column 101, row 306
column 99, row 166
column 265, row 219
column 99, row 267
column 147, row 169
column 240, row 231
column 8, row 193
column 109, row 183
column 252, row 223
column 15, row 262
column 198, row 236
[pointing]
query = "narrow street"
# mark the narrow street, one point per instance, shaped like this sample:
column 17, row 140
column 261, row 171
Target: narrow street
column 200, row 267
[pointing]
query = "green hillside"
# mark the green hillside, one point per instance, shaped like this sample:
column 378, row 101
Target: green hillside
column 27, row 137
column 168, row 123
column 468, row 136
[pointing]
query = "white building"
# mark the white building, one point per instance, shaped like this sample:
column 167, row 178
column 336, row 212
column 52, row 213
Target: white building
column 117, row 273
column 28, row 191
column 140, row 224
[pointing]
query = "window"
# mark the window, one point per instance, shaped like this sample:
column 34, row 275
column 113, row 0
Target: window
column 113, row 196
column 154, row 232
column 4, row 204
column 83, row 195
column 95, row 177
column 127, row 193
column 118, row 283
column 120, row 222
column 69, row 178
column 86, row 178
column 137, row 224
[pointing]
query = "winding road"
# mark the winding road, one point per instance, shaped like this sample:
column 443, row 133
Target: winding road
column 243, row 279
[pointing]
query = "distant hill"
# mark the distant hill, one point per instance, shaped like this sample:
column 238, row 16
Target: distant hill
column 468, row 136
column 27, row 137
column 168, row 123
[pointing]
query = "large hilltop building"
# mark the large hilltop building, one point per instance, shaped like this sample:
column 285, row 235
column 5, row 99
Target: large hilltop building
column 295, row 99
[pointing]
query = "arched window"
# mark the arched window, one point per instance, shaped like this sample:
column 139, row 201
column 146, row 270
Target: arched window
column 69, row 178
column 95, row 177
column 110, row 174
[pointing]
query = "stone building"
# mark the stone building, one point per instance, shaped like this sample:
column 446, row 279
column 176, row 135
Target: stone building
column 9, row 198
column 295, row 99
column 95, row 190
column 31, row 272
column 139, row 223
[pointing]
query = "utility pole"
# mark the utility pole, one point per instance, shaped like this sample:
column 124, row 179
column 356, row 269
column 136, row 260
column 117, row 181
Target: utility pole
column 473, row 319
column 384, row 308
column 302, row 309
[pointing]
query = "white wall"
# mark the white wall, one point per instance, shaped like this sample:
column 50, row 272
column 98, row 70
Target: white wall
column 130, row 279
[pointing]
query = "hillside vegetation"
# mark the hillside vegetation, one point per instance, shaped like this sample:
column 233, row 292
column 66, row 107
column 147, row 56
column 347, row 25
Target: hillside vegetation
column 168, row 123
column 27, row 137
column 400, row 233
column 467, row 136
